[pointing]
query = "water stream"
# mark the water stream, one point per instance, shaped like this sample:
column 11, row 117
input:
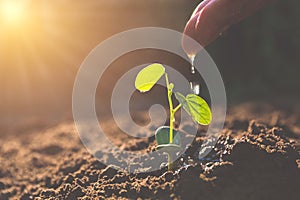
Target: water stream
column 194, row 83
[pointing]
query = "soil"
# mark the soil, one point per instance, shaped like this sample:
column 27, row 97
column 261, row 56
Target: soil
column 253, row 159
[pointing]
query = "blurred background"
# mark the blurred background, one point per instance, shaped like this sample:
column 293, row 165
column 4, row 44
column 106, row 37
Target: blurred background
column 43, row 43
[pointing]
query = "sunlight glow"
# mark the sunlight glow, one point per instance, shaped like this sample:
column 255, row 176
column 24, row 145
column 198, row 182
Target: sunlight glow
column 42, row 41
column 12, row 11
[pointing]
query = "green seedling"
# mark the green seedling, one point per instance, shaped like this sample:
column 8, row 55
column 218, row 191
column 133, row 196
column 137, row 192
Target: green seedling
column 167, row 138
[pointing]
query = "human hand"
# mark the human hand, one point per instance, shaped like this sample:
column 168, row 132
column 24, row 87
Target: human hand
column 212, row 17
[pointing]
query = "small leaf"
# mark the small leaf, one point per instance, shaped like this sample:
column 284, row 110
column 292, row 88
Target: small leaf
column 199, row 109
column 171, row 86
column 196, row 107
column 162, row 136
column 148, row 77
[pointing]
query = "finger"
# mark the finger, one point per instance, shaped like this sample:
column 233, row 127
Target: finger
column 213, row 17
column 200, row 7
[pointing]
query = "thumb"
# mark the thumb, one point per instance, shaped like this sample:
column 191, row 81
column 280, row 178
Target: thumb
column 212, row 17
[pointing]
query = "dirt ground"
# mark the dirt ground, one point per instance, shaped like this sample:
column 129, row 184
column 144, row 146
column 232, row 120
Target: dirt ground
column 256, row 157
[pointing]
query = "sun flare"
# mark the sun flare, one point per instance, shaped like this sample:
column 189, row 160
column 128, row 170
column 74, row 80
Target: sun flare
column 41, row 40
column 13, row 12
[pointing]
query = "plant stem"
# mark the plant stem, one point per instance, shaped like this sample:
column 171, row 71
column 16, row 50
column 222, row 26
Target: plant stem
column 177, row 107
column 172, row 118
column 171, row 108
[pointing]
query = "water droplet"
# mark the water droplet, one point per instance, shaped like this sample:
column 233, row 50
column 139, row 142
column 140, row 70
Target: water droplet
column 196, row 88
column 193, row 69
column 194, row 84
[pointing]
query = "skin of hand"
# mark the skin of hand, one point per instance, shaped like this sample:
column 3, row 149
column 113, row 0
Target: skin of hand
column 212, row 17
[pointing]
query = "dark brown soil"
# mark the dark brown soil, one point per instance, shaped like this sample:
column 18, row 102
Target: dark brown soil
column 251, row 160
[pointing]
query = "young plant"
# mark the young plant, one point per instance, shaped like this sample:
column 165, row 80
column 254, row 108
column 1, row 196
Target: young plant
column 195, row 106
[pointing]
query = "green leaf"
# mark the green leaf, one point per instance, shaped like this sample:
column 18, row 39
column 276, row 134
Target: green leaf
column 171, row 86
column 148, row 77
column 196, row 107
column 162, row 136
